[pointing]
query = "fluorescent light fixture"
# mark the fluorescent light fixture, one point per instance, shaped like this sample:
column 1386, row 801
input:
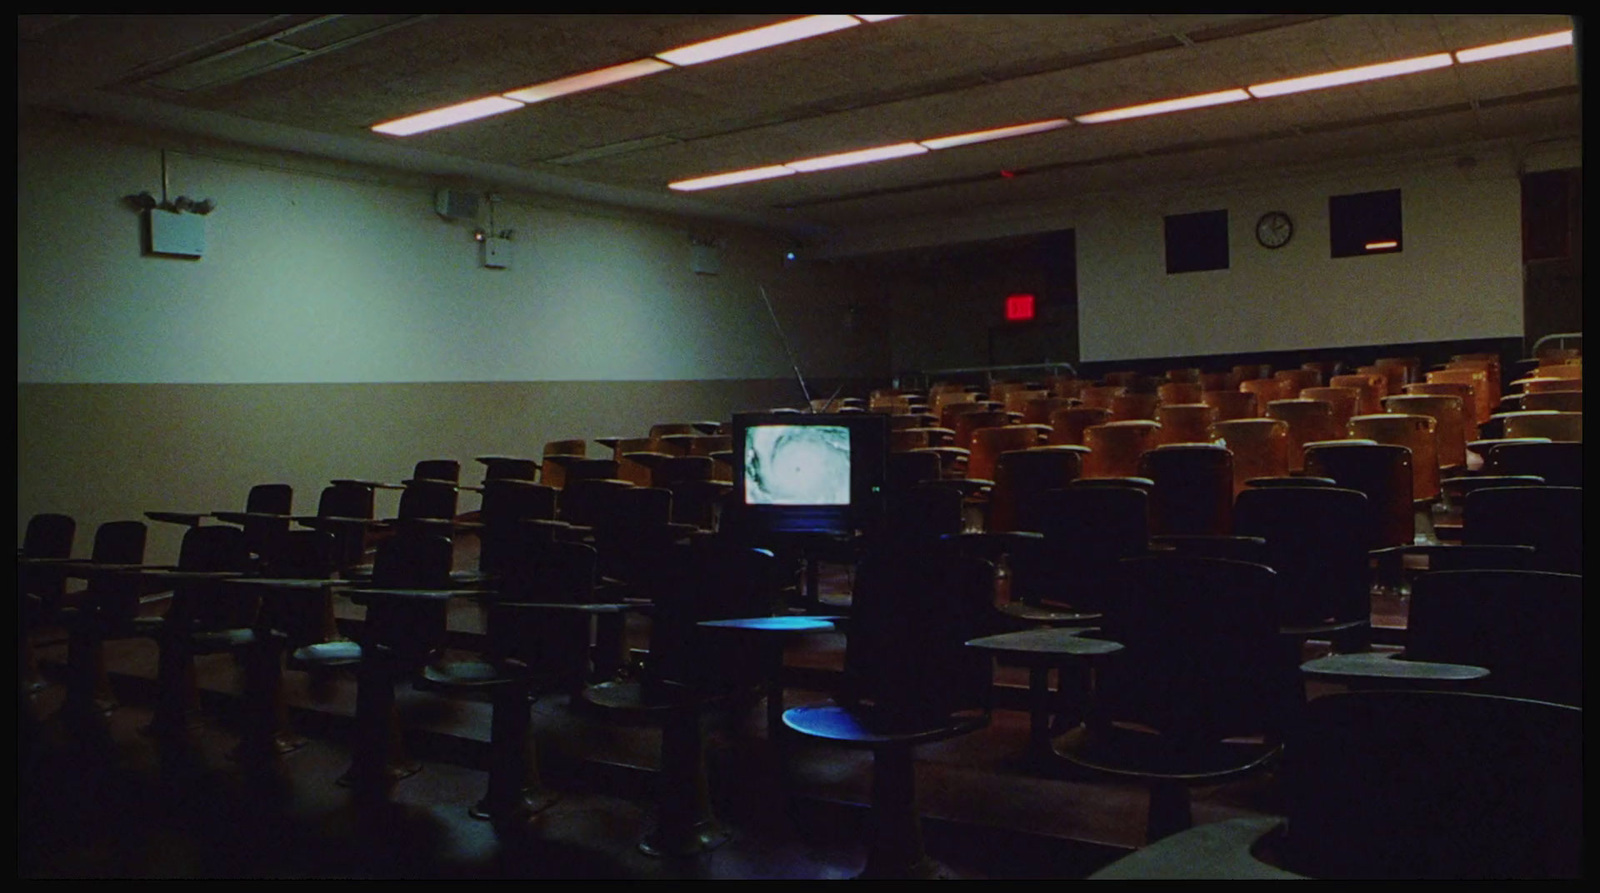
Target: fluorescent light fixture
column 1379, row 246
column 1183, row 103
column 1350, row 76
column 875, row 19
column 859, row 156
column 998, row 133
column 1515, row 47
column 450, row 114
column 757, row 39
column 589, row 80
column 749, row 175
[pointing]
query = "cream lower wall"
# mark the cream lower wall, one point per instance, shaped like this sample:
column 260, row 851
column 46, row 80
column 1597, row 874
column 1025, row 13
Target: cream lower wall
column 105, row 452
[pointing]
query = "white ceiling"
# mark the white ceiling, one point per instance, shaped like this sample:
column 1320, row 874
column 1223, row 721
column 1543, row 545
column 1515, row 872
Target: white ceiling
column 318, row 83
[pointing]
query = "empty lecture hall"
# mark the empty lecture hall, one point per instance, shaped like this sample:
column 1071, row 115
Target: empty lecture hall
column 674, row 447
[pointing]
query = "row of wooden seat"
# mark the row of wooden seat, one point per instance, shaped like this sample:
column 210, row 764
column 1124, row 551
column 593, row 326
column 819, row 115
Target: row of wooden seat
column 444, row 677
column 398, row 652
column 1433, row 422
column 1481, row 374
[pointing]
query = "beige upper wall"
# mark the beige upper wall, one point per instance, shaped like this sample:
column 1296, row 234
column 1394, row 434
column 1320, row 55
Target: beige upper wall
column 320, row 273
column 337, row 327
column 1459, row 275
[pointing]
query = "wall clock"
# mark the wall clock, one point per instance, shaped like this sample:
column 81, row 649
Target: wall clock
column 1274, row 229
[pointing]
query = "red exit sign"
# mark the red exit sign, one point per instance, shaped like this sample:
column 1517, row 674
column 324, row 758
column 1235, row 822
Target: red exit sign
column 1019, row 308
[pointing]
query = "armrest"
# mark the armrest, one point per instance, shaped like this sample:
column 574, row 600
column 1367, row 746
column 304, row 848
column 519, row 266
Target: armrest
column 969, row 487
column 1218, row 851
column 161, row 575
column 243, row 518
column 1392, row 560
column 301, row 584
column 949, row 456
column 367, row 595
column 1388, row 667
column 579, row 608
column 89, row 570
column 441, row 525
column 188, row 519
column 153, row 582
column 378, row 485
column 492, row 460
column 648, row 458
column 1051, row 642
column 317, row 521
column 991, row 545
column 937, row 436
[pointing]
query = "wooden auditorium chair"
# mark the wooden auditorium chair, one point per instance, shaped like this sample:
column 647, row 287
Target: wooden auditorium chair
column 1232, row 404
column 105, row 608
column 1309, row 421
column 1115, row 447
column 1193, row 491
column 1381, row 471
column 1260, row 448
column 1404, row 785
column 909, row 680
column 1197, row 693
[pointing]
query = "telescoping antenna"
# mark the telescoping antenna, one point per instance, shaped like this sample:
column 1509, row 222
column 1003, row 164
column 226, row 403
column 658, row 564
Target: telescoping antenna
column 794, row 361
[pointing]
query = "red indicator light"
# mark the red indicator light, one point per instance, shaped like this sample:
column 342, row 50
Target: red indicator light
column 1019, row 308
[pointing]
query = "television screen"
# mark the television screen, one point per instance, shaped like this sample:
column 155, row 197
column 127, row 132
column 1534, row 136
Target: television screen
column 807, row 473
column 797, row 465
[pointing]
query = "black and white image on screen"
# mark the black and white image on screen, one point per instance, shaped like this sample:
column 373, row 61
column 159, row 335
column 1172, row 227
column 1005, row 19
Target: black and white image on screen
column 797, row 465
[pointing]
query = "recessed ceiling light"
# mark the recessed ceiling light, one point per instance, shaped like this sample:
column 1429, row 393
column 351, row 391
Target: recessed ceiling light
column 1514, row 47
column 452, row 114
column 859, row 156
column 1380, row 246
column 757, row 39
column 998, row 133
column 691, row 54
column 1182, row 103
column 1259, row 91
column 749, row 175
column 588, row 80
column 1350, row 76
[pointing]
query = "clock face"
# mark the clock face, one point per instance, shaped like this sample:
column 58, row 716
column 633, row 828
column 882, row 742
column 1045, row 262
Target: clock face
column 1274, row 229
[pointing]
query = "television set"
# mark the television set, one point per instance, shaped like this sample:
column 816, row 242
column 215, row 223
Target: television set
column 808, row 473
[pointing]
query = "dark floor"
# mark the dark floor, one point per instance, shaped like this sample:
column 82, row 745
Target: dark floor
column 104, row 801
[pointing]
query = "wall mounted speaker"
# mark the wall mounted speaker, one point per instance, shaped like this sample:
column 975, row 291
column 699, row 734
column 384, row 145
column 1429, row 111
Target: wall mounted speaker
column 171, row 234
column 705, row 256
